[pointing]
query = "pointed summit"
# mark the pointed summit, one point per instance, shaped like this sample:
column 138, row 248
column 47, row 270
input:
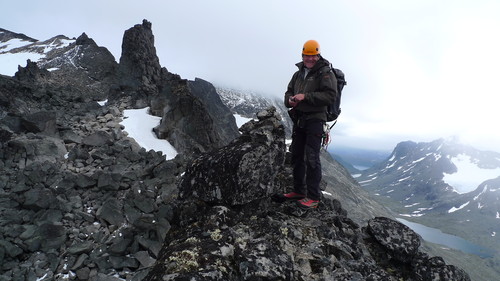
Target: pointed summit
column 139, row 60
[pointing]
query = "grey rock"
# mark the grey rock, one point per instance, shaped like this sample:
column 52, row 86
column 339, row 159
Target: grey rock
column 99, row 138
column 40, row 122
column 144, row 258
column 83, row 273
column 10, row 249
column 397, row 238
column 111, row 212
column 52, row 236
column 69, row 136
column 80, row 247
column 37, row 199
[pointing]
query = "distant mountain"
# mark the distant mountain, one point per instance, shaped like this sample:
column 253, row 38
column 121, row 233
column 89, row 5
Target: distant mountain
column 247, row 104
column 442, row 184
column 431, row 172
column 16, row 49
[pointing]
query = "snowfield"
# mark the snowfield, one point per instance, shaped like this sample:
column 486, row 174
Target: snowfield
column 468, row 176
column 139, row 126
column 10, row 59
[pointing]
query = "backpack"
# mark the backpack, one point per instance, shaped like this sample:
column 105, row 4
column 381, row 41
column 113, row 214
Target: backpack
column 333, row 110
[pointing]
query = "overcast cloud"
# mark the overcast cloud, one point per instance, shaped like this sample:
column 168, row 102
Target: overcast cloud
column 416, row 69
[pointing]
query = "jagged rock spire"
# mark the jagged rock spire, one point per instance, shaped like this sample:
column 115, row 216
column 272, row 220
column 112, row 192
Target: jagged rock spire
column 139, row 61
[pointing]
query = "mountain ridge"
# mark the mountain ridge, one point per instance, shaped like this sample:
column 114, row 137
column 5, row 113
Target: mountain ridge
column 416, row 182
column 80, row 199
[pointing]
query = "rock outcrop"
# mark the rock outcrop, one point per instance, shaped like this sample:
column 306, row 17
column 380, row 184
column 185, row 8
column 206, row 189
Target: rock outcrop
column 140, row 67
column 242, row 171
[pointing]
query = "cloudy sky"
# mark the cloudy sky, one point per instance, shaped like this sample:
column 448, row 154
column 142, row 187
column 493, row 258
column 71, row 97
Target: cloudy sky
column 416, row 69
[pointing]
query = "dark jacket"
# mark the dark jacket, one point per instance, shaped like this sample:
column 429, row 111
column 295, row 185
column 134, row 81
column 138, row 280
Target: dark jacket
column 319, row 87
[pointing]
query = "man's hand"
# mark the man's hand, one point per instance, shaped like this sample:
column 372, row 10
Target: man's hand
column 294, row 100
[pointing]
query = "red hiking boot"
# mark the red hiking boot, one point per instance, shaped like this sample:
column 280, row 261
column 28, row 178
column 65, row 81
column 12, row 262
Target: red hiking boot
column 307, row 203
column 280, row 198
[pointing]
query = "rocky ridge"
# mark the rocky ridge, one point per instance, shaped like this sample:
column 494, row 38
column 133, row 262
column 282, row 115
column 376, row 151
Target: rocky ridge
column 79, row 200
column 225, row 227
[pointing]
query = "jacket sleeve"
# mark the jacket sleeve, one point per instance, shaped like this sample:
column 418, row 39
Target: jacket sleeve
column 326, row 93
column 290, row 89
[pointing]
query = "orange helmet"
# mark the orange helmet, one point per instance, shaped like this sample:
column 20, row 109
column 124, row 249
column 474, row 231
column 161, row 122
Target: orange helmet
column 311, row 48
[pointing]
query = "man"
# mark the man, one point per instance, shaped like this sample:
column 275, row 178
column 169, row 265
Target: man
column 310, row 90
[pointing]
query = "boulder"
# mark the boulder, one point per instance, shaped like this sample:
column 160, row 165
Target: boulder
column 98, row 138
column 399, row 240
column 40, row 122
column 242, row 171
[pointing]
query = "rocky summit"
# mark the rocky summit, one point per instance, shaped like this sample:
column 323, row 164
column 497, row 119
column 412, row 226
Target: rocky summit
column 81, row 200
column 226, row 227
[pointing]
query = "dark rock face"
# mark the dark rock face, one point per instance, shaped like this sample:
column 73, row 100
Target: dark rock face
column 190, row 122
column 138, row 62
column 186, row 122
column 220, row 113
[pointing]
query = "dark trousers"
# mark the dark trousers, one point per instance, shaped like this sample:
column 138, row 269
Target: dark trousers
column 306, row 145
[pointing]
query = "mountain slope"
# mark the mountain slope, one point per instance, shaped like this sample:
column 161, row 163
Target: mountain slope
column 445, row 185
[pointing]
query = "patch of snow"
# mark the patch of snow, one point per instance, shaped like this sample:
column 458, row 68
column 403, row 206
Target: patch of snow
column 411, row 215
column 240, row 120
column 13, row 44
column 139, row 126
column 361, row 182
column 408, row 198
column 41, row 278
column 482, row 192
column 403, row 179
column 102, row 103
column 418, row 160
column 391, row 165
column 327, row 193
column 468, row 176
column 459, row 208
column 437, row 157
column 412, row 205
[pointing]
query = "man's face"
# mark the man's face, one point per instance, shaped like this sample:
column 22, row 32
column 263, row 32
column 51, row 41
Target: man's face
column 310, row 61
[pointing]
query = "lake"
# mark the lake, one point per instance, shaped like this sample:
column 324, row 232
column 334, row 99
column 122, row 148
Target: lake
column 435, row 235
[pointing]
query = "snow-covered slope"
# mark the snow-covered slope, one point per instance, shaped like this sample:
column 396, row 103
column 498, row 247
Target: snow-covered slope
column 16, row 49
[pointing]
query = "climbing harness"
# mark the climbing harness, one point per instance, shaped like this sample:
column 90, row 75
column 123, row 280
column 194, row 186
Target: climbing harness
column 326, row 135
